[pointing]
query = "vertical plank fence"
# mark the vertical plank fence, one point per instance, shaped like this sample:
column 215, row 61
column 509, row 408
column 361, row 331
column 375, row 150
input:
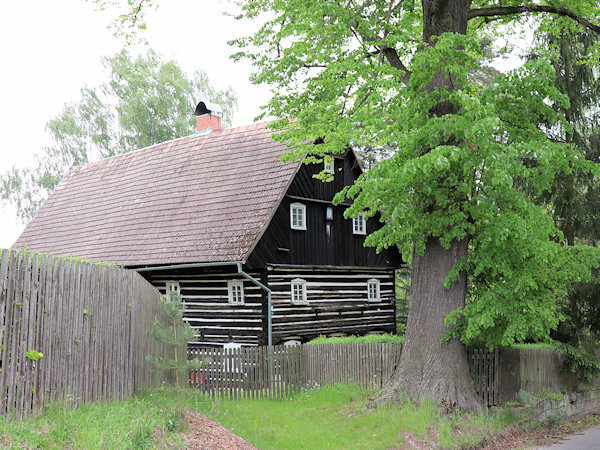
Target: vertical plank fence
column 484, row 371
column 89, row 322
column 244, row 372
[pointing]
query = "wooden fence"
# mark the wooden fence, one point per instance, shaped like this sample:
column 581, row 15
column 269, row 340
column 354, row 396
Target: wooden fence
column 244, row 372
column 88, row 321
column 484, row 371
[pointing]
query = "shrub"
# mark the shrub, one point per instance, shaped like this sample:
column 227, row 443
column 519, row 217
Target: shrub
column 553, row 419
column 580, row 361
column 373, row 338
column 524, row 398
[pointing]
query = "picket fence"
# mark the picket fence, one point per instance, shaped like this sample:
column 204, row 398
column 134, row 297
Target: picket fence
column 244, row 372
column 89, row 322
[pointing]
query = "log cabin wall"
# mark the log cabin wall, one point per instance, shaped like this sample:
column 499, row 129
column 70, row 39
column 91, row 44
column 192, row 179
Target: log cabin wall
column 336, row 302
column 207, row 307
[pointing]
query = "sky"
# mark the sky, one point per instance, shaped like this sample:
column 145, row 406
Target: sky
column 49, row 50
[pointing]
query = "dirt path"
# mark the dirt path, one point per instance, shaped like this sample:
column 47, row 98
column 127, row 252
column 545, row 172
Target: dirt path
column 208, row 435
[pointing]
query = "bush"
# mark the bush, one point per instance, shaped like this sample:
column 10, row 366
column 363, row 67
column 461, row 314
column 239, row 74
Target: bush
column 373, row 338
column 581, row 361
column 553, row 419
column 524, row 398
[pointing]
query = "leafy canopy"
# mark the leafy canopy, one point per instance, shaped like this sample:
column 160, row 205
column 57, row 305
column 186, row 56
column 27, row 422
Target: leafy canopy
column 359, row 73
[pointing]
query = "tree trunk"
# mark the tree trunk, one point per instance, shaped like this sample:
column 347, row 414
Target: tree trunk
column 427, row 368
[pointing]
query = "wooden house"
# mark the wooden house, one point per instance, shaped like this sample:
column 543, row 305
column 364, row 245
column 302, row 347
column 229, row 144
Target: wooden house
column 219, row 219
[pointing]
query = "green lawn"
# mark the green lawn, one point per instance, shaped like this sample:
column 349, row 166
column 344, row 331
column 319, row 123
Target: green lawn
column 331, row 417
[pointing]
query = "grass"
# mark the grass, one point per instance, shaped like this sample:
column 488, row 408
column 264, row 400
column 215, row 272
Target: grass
column 128, row 424
column 331, row 417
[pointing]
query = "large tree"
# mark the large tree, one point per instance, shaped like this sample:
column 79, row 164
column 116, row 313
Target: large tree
column 146, row 100
column 575, row 197
column 455, row 195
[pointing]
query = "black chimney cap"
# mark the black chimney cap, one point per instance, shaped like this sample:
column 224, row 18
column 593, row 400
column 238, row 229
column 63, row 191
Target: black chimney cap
column 207, row 108
column 201, row 109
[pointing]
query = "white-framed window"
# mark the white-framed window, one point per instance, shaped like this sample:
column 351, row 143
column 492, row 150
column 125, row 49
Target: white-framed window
column 328, row 166
column 359, row 224
column 172, row 290
column 373, row 290
column 235, row 292
column 299, row 291
column 298, row 216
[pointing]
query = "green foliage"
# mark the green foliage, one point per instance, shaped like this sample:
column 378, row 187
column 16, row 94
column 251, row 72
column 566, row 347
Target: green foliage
column 331, row 417
column 471, row 173
column 33, row 355
column 580, row 361
column 553, row 418
column 127, row 424
column 524, row 398
column 373, row 338
column 175, row 333
column 537, row 345
column 574, row 199
column 145, row 101
column 556, row 396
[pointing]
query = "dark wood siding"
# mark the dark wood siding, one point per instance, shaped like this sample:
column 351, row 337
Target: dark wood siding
column 207, row 308
column 315, row 246
column 337, row 302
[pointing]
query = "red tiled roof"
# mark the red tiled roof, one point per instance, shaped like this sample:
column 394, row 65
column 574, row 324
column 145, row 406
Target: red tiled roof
column 195, row 199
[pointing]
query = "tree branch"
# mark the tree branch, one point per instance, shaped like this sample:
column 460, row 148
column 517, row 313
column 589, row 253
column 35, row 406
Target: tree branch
column 392, row 57
column 512, row 10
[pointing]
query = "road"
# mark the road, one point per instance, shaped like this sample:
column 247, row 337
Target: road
column 586, row 440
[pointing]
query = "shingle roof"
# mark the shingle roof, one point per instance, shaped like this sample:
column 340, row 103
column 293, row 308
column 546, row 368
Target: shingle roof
column 195, row 199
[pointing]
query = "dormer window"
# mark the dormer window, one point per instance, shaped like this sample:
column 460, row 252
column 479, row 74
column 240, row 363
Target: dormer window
column 328, row 166
column 173, row 290
column 373, row 290
column 298, row 216
column 235, row 292
column 359, row 224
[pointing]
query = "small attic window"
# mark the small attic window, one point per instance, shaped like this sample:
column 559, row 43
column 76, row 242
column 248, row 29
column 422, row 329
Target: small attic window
column 298, row 216
column 328, row 166
column 359, row 224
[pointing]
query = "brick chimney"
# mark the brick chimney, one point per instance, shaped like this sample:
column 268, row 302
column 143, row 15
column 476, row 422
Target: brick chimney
column 208, row 118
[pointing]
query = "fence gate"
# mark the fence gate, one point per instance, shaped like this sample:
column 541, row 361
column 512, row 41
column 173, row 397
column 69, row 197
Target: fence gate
column 484, row 371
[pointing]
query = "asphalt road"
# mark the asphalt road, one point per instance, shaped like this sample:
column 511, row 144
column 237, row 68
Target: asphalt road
column 586, row 440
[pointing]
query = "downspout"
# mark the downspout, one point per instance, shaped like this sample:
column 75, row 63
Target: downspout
column 245, row 275
column 269, row 313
